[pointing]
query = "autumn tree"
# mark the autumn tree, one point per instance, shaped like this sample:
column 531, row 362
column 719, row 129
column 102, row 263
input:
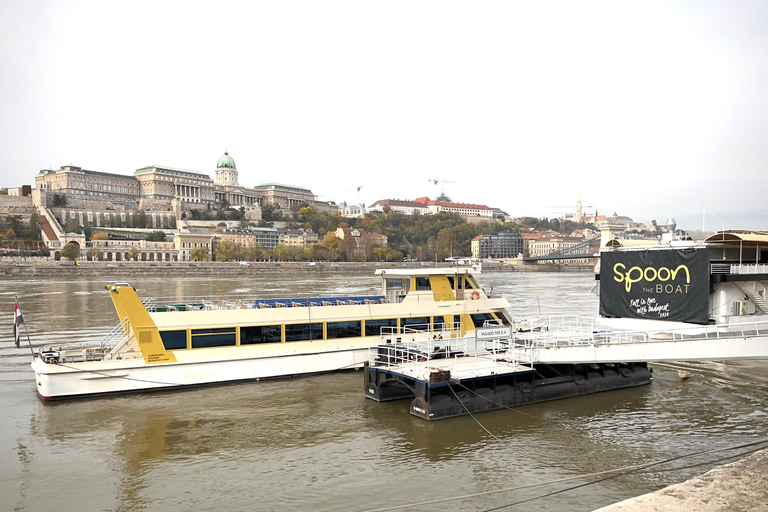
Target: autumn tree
column 71, row 251
column 94, row 254
column 227, row 251
column 199, row 254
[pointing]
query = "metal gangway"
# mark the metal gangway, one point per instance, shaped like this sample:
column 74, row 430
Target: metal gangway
column 571, row 339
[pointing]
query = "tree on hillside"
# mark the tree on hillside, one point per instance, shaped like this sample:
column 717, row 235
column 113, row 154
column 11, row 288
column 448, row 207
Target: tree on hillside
column 13, row 222
column 35, row 231
column 156, row 236
column 71, row 251
column 446, row 239
column 100, row 236
column 73, row 227
column 271, row 212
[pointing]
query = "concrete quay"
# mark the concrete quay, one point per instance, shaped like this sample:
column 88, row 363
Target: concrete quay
column 34, row 267
column 739, row 486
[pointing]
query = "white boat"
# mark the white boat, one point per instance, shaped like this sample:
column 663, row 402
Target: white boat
column 160, row 345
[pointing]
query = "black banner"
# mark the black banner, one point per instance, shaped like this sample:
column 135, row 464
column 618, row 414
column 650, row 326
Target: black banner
column 658, row 285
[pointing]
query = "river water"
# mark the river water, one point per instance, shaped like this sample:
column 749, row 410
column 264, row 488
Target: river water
column 316, row 444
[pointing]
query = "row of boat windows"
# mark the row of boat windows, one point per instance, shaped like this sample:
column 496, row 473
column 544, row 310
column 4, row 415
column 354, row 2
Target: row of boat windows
column 422, row 283
column 250, row 335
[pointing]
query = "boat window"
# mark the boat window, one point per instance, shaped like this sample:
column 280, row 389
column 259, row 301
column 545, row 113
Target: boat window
column 303, row 332
column 419, row 322
column 438, row 322
column 394, row 284
column 456, row 283
column 174, row 340
column 373, row 327
column 502, row 315
column 479, row 319
column 220, row 337
column 471, row 283
column 349, row 329
column 422, row 283
column 261, row 334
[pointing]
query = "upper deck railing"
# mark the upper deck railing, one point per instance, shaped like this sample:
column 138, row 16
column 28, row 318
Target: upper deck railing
column 730, row 268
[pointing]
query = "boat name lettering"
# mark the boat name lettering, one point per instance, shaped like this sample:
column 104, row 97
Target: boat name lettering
column 637, row 274
column 419, row 409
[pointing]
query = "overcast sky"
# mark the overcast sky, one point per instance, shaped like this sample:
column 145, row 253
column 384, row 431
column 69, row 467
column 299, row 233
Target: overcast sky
column 649, row 109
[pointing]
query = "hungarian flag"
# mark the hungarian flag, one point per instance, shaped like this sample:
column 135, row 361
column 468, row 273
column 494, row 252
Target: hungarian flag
column 17, row 321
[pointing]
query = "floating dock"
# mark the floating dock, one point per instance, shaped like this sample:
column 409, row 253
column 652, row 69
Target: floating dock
column 447, row 375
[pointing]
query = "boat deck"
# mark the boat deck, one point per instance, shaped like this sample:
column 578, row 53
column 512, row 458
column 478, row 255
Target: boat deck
column 458, row 367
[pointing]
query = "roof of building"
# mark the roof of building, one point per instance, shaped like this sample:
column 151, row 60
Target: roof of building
column 738, row 235
column 503, row 234
column 280, row 185
column 398, row 203
column 72, row 168
column 226, row 162
column 349, row 231
column 150, row 168
column 445, row 204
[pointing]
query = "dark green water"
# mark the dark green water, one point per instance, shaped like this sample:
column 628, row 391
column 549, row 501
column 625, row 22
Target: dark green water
column 316, row 444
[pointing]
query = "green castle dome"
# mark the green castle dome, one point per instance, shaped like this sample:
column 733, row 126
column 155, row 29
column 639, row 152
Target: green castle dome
column 226, row 161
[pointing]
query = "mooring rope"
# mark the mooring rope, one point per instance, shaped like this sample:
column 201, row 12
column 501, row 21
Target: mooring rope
column 622, row 471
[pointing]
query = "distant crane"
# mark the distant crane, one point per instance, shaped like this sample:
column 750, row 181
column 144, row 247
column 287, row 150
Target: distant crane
column 440, row 181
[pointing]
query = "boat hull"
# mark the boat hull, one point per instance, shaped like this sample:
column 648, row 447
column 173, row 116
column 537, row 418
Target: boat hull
column 92, row 379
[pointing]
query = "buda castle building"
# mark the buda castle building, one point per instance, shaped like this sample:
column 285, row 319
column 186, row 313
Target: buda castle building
column 164, row 188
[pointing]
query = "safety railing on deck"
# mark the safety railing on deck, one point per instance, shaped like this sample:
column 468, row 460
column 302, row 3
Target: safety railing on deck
column 571, row 331
column 423, row 350
column 115, row 339
column 163, row 304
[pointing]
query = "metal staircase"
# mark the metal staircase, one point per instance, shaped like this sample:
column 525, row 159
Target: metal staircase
column 755, row 297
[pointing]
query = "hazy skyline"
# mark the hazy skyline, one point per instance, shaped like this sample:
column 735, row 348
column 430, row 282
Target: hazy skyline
column 648, row 109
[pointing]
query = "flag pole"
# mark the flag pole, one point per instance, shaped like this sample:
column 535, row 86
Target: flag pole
column 29, row 342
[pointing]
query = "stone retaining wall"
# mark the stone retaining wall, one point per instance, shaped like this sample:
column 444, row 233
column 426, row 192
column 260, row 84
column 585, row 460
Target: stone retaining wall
column 742, row 485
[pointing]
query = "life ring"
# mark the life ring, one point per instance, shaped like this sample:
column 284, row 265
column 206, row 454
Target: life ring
column 474, row 295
